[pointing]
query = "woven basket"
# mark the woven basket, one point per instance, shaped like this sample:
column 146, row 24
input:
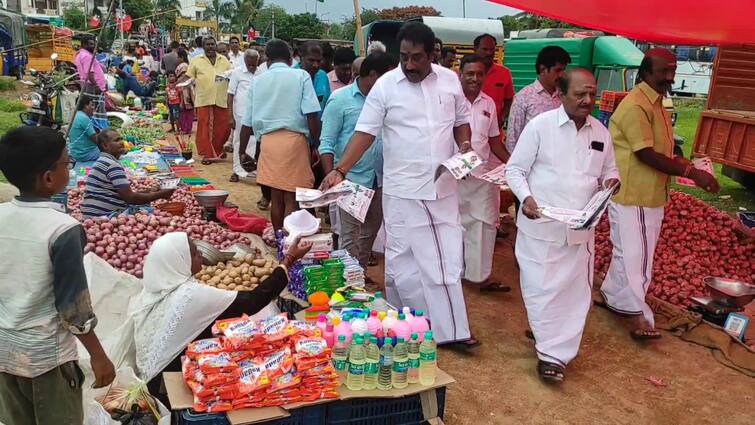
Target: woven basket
column 175, row 208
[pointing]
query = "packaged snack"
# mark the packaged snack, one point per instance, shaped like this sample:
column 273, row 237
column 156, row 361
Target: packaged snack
column 205, row 346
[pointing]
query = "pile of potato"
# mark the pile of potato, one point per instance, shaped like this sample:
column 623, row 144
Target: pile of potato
column 238, row 274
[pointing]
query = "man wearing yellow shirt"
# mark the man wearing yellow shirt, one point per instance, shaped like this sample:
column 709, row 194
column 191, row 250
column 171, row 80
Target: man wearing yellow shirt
column 210, row 88
column 643, row 143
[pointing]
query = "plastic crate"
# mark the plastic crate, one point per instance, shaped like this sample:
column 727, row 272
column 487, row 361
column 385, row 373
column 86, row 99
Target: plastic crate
column 378, row 411
column 288, row 306
column 604, row 117
column 310, row 415
column 610, row 100
column 189, row 417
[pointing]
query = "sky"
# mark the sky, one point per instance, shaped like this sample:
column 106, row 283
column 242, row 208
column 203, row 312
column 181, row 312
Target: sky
column 338, row 10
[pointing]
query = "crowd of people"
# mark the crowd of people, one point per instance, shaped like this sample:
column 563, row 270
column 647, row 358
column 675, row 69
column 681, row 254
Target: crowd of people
column 325, row 118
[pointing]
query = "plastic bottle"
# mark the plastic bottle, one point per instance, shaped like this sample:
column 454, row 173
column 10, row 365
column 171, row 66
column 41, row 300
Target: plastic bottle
column 379, row 303
column 340, row 357
column 412, row 374
column 366, row 338
column 321, row 324
column 373, row 323
column 400, row 364
column 385, row 369
column 390, row 320
column 371, row 364
column 342, row 327
column 381, row 316
column 420, row 325
column 428, row 355
column 329, row 335
column 359, row 324
column 355, row 376
column 402, row 328
column 408, row 314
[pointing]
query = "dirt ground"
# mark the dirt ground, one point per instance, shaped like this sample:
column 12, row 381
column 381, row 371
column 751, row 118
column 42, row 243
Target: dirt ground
column 606, row 384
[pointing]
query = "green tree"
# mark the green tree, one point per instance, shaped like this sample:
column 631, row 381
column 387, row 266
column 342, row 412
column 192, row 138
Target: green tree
column 302, row 25
column 168, row 20
column 74, row 18
column 138, row 8
column 263, row 19
column 238, row 14
column 529, row 21
column 349, row 26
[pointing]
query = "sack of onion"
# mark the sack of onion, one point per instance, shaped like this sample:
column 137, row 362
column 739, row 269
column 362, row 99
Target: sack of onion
column 242, row 274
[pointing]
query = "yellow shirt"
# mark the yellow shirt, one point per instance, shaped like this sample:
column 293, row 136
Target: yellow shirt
column 641, row 122
column 207, row 91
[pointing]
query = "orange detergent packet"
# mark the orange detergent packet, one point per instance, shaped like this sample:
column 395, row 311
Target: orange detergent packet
column 311, row 347
column 278, row 363
column 206, row 392
column 240, row 334
column 298, row 327
column 274, row 328
column 216, row 405
column 325, row 369
column 307, row 363
column 205, row 346
column 216, row 363
column 188, row 368
column 240, row 356
column 222, row 378
column 253, row 376
column 287, row 380
column 219, row 326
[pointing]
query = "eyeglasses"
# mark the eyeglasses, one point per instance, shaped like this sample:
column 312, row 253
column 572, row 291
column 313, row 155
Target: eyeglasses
column 69, row 164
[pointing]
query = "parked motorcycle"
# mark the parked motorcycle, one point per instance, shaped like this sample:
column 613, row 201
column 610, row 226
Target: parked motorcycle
column 47, row 87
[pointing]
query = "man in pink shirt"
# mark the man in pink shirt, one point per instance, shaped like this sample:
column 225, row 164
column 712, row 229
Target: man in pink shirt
column 340, row 76
column 92, row 80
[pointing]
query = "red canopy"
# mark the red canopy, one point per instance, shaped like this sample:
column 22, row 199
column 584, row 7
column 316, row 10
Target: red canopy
column 660, row 21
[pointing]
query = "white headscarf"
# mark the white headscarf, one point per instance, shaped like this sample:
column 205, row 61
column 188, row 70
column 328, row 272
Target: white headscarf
column 162, row 327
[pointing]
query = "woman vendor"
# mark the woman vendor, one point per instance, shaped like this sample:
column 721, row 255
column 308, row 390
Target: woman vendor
column 81, row 138
column 107, row 187
column 174, row 309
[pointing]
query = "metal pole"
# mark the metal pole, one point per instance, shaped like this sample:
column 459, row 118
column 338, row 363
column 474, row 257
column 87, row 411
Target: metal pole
column 360, row 35
column 464, row 8
column 273, row 14
column 91, row 63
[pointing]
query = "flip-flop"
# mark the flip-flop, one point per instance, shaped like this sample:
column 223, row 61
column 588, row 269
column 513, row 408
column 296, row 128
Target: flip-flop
column 206, row 162
column 550, row 372
column 234, row 178
column 644, row 334
column 465, row 345
column 495, row 287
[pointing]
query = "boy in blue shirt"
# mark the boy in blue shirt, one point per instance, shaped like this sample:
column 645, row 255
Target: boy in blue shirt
column 44, row 296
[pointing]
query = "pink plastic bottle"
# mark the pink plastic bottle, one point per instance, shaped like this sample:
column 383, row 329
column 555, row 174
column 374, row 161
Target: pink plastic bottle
column 420, row 324
column 389, row 321
column 322, row 322
column 329, row 335
column 342, row 327
column 373, row 323
column 402, row 328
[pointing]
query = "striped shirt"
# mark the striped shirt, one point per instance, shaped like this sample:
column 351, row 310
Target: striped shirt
column 105, row 178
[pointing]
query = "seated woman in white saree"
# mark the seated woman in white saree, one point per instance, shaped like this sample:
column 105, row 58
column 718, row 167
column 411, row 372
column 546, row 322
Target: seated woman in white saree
column 174, row 309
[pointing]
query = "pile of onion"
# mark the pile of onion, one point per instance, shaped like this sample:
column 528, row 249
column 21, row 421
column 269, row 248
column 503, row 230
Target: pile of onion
column 696, row 241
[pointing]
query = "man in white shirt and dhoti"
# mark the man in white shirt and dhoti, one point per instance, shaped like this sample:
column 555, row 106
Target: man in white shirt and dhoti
column 423, row 116
column 563, row 157
column 479, row 200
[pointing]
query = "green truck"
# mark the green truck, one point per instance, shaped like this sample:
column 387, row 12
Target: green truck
column 613, row 60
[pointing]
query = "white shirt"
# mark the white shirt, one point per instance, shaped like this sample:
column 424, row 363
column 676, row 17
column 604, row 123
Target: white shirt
column 417, row 122
column 484, row 123
column 241, row 81
column 554, row 163
column 236, row 60
column 261, row 69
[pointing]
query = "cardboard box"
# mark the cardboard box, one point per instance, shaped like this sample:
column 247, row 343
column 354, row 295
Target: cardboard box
column 180, row 397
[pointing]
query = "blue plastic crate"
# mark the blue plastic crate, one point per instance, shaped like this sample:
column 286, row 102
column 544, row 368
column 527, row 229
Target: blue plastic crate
column 378, row 411
column 604, row 117
column 310, row 415
column 189, row 417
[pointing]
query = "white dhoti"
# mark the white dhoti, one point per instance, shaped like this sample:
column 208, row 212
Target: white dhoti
column 479, row 202
column 423, row 262
column 634, row 234
column 251, row 147
column 556, row 283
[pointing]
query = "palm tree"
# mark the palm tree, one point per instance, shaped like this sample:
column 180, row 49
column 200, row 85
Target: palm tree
column 240, row 13
column 168, row 20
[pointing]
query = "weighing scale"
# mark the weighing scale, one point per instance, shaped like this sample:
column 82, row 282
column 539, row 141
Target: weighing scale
column 726, row 296
column 209, row 200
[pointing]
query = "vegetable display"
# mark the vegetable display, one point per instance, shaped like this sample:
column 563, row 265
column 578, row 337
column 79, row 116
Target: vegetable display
column 130, row 405
column 124, row 241
column 146, row 134
column 696, row 241
column 237, row 275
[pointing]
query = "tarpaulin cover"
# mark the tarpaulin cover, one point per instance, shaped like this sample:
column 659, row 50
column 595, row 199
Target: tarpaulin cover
column 665, row 22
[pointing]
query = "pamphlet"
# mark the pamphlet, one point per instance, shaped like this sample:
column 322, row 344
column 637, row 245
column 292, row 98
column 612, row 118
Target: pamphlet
column 313, row 198
column 497, row 175
column 358, row 202
column 459, row 165
column 586, row 218
column 704, row 164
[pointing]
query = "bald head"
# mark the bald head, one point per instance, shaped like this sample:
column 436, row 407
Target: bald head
column 356, row 66
column 658, row 69
column 578, row 91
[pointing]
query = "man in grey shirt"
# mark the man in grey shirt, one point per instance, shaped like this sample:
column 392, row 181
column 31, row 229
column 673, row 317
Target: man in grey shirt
column 170, row 61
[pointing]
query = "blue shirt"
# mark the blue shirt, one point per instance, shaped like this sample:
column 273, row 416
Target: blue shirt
column 338, row 121
column 322, row 86
column 279, row 99
column 80, row 144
